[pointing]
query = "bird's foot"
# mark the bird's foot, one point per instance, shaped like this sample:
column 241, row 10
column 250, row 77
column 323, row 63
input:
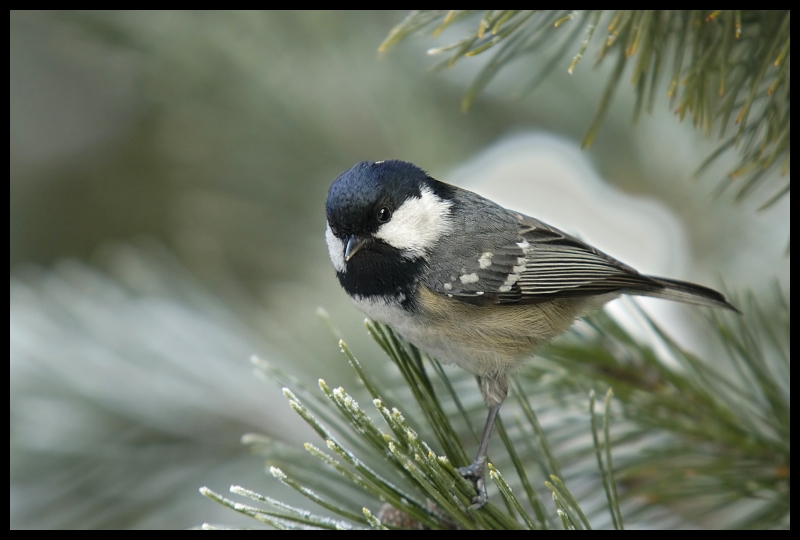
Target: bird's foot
column 475, row 473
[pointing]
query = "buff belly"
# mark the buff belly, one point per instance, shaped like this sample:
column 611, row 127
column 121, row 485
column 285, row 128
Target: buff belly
column 484, row 340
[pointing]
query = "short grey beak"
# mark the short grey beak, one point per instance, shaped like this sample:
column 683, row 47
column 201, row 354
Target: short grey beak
column 354, row 245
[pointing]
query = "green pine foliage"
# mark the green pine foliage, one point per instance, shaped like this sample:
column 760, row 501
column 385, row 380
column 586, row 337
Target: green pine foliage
column 698, row 441
column 727, row 69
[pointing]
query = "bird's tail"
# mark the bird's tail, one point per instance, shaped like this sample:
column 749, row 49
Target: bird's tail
column 682, row 291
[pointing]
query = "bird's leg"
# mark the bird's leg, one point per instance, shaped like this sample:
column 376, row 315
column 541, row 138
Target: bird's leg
column 475, row 471
column 494, row 389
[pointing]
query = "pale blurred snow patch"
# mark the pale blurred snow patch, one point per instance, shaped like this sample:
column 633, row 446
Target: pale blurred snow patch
column 129, row 389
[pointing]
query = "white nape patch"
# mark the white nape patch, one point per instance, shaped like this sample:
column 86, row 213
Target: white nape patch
column 335, row 250
column 486, row 260
column 448, row 286
column 417, row 224
column 469, row 278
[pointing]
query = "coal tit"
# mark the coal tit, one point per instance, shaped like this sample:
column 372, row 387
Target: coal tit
column 467, row 281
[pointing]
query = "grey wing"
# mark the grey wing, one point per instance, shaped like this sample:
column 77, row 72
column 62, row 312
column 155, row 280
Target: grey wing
column 542, row 263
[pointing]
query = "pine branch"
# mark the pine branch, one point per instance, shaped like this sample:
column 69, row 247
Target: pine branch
column 691, row 437
column 727, row 67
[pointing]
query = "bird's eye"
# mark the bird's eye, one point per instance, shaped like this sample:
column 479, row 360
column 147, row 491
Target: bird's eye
column 384, row 214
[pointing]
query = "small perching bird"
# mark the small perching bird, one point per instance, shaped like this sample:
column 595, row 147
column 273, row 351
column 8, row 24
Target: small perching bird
column 467, row 281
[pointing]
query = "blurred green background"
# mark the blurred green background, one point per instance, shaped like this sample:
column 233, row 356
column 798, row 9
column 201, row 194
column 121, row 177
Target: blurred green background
column 168, row 175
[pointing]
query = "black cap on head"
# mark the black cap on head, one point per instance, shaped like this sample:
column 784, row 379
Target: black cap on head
column 356, row 195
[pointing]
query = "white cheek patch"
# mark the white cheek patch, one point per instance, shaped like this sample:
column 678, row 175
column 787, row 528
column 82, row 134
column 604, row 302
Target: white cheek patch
column 418, row 224
column 335, row 250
